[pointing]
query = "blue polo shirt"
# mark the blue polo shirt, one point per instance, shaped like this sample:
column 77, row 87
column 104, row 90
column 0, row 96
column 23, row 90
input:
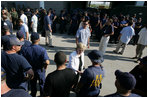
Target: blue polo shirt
column 47, row 20
column 15, row 66
column 91, row 80
column 36, row 56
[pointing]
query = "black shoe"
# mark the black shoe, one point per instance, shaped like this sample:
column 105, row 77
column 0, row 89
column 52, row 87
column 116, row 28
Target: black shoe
column 51, row 46
column 120, row 53
column 115, row 51
column 134, row 57
column 46, row 44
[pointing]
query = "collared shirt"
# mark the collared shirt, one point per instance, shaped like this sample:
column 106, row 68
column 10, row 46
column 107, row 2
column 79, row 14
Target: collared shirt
column 83, row 35
column 143, row 36
column 47, row 21
column 24, row 18
column 127, row 33
column 24, row 29
column 36, row 56
column 34, row 19
column 74, row 60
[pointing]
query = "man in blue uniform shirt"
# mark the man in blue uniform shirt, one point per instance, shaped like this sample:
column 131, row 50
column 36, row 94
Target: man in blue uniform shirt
column 90, row 82
column 8, row 92
column 38, row 58
column 16, row 65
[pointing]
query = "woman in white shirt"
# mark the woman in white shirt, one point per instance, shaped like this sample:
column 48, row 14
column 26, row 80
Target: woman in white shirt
column 76, row 61
column 76, row 58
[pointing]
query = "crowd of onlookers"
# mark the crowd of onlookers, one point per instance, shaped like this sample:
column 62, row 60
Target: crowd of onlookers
column 24, row 61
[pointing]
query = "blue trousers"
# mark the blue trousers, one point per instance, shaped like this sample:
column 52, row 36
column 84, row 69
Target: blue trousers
column 38, row 75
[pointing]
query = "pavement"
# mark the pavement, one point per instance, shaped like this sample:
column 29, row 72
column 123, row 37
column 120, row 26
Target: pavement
column 112, row 61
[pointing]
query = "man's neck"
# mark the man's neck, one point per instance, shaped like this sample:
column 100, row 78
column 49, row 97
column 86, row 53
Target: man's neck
column 10, row 51
column 35, row 43
column 4, row 89
column 61, row 67
column 124, row 93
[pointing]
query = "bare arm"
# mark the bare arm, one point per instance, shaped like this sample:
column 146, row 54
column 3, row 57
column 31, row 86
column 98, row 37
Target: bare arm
column 27, row 35
column 47, row 62
column 88, row 42
column 49, row 28
column 77, row 41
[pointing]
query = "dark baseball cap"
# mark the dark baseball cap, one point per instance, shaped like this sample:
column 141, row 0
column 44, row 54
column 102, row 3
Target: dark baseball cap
column 96, row 56
column 20, row 35
column 125, row 79
column 13, row 40
column 34, row 36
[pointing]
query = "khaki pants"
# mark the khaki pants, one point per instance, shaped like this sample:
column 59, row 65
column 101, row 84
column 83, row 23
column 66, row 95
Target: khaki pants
column 103, row 44
column 121, row 45
column 139, row 50
column 48, row 37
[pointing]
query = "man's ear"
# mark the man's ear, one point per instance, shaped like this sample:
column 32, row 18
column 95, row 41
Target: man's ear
column 66, row 61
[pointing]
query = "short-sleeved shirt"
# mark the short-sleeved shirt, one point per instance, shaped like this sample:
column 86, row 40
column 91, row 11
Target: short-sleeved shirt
column 142, row 36
column 59, row 82
column 34, row 19
column 83, row 35
column 91, row 80
column 15, row 66
column 118, row 95
column 47, row 21
column 108, row 29
column 24, row 29
column 127, row 33
column 16, row 93
column 24, row 18
column 36, row 56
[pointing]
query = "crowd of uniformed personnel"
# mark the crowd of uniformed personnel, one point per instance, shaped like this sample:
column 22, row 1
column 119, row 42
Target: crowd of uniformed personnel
column 24, row 61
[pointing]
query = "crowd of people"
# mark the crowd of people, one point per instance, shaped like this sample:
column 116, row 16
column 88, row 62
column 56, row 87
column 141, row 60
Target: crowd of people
column 24, row 61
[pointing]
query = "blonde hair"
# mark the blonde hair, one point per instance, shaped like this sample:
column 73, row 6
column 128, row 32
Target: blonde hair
column 81, row 46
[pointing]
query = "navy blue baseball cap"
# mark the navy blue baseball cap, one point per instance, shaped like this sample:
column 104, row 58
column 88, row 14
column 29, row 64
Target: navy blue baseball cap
column 125, row 79
column 19, row 35
column 34, row 36
column 13, row 40
column 96, row 56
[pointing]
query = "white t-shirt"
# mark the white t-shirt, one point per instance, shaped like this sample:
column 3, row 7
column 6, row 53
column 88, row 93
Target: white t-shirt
column 143, row 36
column 74, row 61
column 34, row 19
column 127, row 33
column 24, row 18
